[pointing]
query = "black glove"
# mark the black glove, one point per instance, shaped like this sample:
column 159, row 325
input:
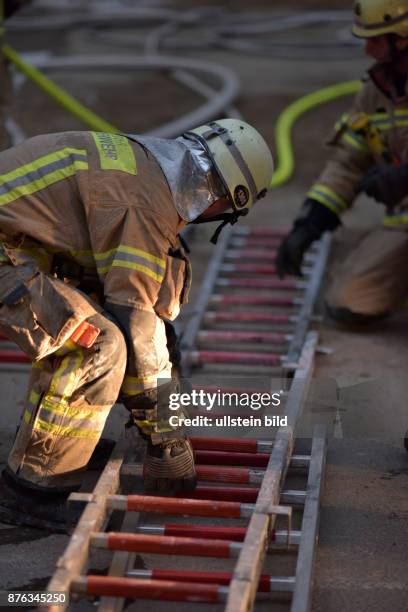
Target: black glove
column 314, row 219
column 292, row 249
column 173, row 345
column 387, row 184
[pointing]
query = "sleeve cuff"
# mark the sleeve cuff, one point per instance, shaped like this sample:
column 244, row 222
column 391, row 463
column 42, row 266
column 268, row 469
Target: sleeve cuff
column 315, row 214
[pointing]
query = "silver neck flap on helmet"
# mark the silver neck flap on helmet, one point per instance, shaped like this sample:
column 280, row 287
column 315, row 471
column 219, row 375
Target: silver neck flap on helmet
column 193, row 182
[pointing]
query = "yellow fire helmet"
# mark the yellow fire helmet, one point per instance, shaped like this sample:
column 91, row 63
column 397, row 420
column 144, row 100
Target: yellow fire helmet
column 241, row 158
column 377, row 17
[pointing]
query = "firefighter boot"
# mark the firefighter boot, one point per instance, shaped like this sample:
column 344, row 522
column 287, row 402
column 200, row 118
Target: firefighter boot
column 169, row 467
column 23, row 505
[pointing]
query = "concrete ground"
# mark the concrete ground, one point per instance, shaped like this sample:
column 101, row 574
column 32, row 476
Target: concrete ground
column 360, row 388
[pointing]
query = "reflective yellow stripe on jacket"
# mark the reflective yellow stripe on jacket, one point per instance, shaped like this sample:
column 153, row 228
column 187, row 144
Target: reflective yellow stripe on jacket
column 385, row 121
column 134, row 385
column 396, row 220
column 380, row 121
column 329, row 198
column 41, row 173
column 133, row 259
column 349, row 136
column 354, row 140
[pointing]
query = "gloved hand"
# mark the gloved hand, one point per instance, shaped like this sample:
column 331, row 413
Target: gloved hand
column 313, row 220
column 292, row 249
column 173, row 345
column 387, row 184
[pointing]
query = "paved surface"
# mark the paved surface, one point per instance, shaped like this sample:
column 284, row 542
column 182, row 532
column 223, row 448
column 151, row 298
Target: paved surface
column 362, row 386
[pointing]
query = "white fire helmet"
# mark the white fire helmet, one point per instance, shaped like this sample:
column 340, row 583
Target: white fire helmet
column 241, row 158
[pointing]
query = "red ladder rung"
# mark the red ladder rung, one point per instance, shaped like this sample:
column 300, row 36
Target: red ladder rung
column 178, row 506
column 235, row 445
column 245, row 495
column 166, row 545
column 262, row 283
column 208, row 457
column 227, row 357
column 237, row 475
column 243, row 254
column 232, row 268
column 198, row 577
column 8, row 356
column 248, row 317
column 159, row 590
column 235, row 534
column 238, row 336
column 254, row 300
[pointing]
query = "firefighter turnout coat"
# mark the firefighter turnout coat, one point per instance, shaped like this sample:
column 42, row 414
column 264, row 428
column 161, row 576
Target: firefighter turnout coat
column 374, row 131
column 100, row 204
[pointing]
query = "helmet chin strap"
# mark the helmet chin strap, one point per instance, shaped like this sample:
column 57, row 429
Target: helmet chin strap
column 226, row 218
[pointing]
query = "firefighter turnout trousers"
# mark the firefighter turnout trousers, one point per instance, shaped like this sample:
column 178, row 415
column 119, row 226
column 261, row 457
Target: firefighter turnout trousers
column 372, row 280
column 72, row 388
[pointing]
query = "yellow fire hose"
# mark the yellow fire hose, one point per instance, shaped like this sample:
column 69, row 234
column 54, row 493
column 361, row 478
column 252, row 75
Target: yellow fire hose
column 284, row 125
column 91, row 119
column 286, row 120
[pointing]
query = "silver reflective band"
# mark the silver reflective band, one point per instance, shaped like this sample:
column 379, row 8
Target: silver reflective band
column 189, row 173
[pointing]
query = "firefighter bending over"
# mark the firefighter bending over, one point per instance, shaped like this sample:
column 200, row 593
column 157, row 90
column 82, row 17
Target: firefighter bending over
column 103, row 211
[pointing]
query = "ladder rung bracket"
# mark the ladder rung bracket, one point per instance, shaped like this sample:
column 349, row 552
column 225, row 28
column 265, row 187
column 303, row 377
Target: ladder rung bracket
column 285, row 511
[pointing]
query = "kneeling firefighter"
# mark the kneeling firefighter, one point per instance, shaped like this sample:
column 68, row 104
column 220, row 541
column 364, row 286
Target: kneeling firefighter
column 370, row 154
column 85, row 214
